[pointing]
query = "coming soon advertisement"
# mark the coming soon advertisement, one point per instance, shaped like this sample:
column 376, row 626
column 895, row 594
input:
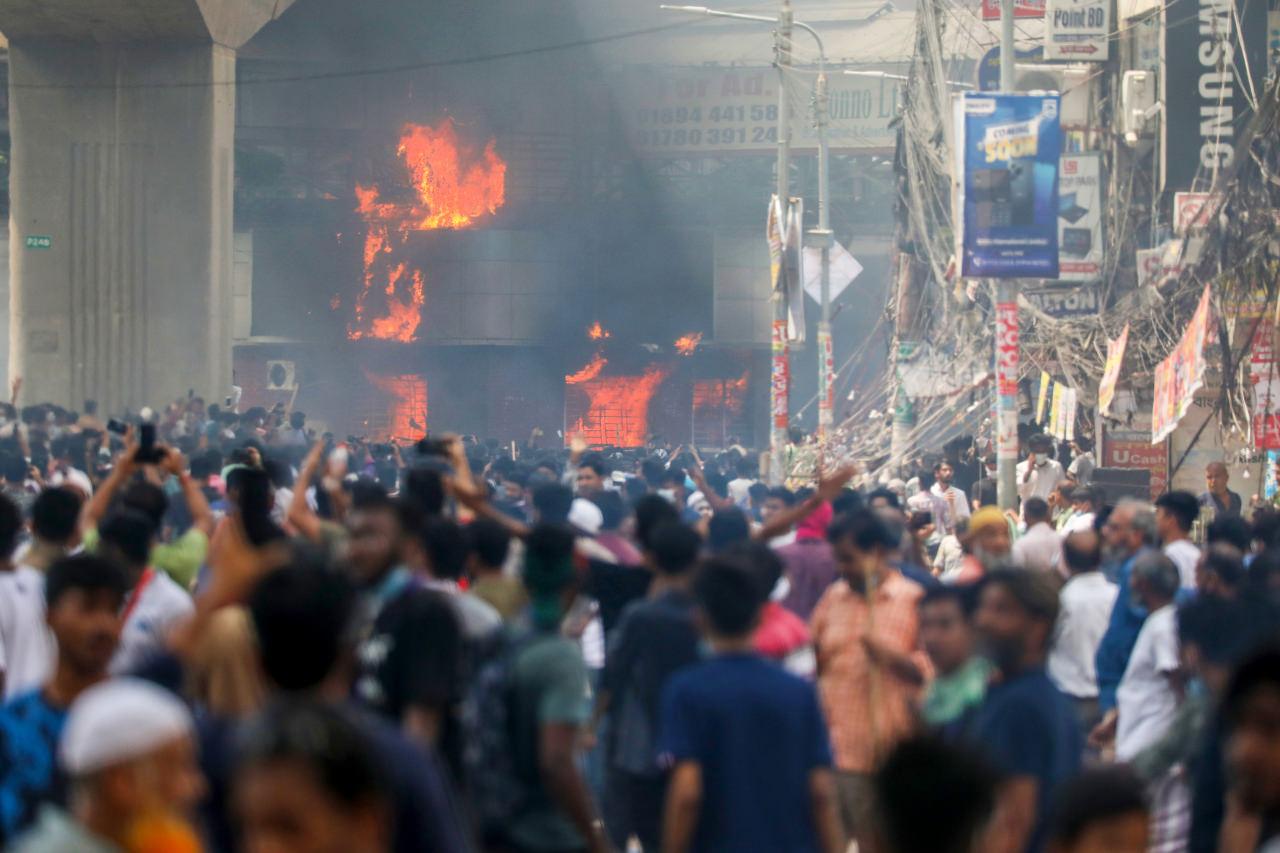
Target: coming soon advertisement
column 1007, row 168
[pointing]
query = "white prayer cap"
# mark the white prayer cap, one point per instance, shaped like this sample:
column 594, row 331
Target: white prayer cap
column 74, row 478
column 586, row 516
column 118, row 721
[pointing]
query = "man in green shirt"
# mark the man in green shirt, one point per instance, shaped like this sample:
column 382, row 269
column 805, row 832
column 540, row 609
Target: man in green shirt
column 551, row 705
column 961, row 675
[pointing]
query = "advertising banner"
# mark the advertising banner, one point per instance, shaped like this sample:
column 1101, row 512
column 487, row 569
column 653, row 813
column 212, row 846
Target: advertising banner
column 1060, row 302
column 1158, row 266
column 1007, row 349
column 1180, row 375
column 1264, row 377
column 1007, row 159
column 1077, row 30
column 780, row 376
column 1055, row 410
column 1215, row 61
column 1080, row 246
column 1111, row 371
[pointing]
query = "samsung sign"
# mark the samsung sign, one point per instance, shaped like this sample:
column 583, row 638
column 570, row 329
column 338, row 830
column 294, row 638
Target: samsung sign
column 1216, row 54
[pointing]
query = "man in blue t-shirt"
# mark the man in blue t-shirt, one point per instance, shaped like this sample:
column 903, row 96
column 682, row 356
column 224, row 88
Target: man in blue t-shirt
column 1026, row 726
column 747, row 741
column 84, row 595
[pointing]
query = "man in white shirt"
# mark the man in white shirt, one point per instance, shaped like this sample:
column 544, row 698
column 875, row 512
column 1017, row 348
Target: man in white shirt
column 1038, row 475
column 956, row 501
column 155, row 604
column 1148, row 696
column 1040, row 548
column 926, row 500
column 27, row 648
column 1085, row 604
column 1175, row 513
column 1085, row 502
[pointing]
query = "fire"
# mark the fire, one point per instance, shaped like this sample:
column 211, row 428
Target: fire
column 407, row 406
column 589, row 371
column 454, row 186
column 686, row 344
column 617, row 408
column 596, row 332
column 718, row 409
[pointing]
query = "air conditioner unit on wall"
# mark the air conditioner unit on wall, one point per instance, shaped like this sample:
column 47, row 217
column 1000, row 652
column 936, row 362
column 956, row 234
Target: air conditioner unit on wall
column 1073, row 82
column 281, row 376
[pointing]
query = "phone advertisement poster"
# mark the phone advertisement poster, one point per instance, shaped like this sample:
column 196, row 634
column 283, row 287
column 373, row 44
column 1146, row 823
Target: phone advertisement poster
column 1007, row 162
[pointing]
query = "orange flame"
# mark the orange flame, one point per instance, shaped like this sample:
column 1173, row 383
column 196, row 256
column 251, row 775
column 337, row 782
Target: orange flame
column 407, row 406
column 712, row 394
column 589, row 371
column 454, row 186
column 617, row 408
column 596, row 332
column 686, row 344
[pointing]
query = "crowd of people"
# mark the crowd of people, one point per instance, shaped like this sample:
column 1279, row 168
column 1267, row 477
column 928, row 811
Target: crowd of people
column 222, row 631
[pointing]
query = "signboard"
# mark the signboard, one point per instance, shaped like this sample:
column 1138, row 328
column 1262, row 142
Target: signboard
column 1077, row 30
column 780, row 376
column 1007, row 159
column 39, row 241
column 1111, row 371
column 1021, row 9
column 1180, row 375
column 1062, row 302
column 1129, row 446
column 1211, row 57
column 1080, row 246
column 683, row 112
column 1160, row 265
column 989, row 66
column 844, row 269
column 1193, row 211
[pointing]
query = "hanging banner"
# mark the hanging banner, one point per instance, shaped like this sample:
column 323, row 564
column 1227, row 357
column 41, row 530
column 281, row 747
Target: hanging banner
column 1055, row 411
column 1045, row 381
column 1180, row 375
column 1007, row 349
column 786, row 263
column 826, row 399
column 1264, row 378
column 1080, row 246
column 780, row 376
column 1069, row 408
column 1007, row 181
column 1077, row 30
column 1111, row 371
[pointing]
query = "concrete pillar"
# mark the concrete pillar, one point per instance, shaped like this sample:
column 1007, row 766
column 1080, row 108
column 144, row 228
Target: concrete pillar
column 122, row 157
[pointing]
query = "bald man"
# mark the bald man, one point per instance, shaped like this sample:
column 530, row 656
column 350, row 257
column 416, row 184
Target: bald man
column 1219, row 497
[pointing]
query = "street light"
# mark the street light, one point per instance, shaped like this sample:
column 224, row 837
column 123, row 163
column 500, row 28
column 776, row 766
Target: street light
column 822, row 235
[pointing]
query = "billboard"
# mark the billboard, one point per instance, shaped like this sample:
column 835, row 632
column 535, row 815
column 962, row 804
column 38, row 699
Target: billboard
column 1077, row 30
column 1215, row 59
column 1007, row 175
column 682, row 112
column 1080, row 247
column 1021, row 9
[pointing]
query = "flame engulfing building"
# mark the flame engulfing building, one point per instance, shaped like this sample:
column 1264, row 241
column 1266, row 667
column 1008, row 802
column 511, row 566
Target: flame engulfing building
column 496, row 223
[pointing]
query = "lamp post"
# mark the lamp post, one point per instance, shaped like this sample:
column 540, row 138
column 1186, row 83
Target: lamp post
column 820, row 236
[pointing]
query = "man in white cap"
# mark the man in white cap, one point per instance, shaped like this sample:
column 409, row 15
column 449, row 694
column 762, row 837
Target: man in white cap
column 129, row 752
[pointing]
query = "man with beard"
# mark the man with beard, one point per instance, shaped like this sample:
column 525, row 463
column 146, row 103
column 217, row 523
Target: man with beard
column 986, row 546
column 1130, row 532
column 865, row 632
column 1026, row 726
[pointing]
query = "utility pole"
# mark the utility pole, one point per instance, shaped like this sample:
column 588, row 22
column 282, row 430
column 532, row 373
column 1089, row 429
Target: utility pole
column 823, row 236
column 780, row 386
column 1006, row 332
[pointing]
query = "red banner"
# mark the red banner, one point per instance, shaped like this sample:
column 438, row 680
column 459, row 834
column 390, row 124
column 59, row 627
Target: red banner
column 1007, row 349
column 780, row 376
column 1021, row 9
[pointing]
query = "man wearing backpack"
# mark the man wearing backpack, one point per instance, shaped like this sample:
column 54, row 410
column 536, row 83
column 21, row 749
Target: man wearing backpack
column 533, row 799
